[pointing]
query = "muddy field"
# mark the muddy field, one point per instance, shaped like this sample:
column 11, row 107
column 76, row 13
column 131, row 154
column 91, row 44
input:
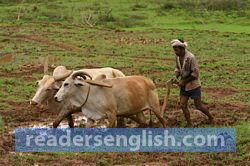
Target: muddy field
column 22, row 114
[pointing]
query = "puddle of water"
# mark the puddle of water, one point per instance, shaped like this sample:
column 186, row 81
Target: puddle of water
column 64, row 124
column 78, row 121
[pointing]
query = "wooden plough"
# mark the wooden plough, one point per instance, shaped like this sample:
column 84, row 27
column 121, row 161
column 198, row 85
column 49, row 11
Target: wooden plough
column 170, row 84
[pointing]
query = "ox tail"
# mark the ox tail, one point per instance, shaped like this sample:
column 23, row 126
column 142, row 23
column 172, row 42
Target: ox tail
column 160, row 117
column 155, row 107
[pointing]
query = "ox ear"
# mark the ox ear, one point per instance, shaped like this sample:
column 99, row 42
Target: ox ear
column 63, row 76
column 98, row 83
column 100, row 77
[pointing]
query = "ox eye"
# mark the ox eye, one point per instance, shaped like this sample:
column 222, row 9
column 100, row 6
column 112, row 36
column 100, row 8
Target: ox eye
column 47, row 89
column 79, row 84
column 66, row 84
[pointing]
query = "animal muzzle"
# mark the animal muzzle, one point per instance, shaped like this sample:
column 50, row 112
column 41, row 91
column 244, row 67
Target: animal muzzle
column 57, row 99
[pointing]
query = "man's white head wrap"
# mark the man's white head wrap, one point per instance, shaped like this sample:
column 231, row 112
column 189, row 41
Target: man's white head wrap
column 177, row 42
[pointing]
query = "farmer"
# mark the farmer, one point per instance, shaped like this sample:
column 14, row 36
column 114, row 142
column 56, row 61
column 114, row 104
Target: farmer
column 190, row 86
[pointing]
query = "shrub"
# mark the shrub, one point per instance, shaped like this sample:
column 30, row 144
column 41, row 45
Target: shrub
column 105, row 16
column 168, row 5
column 223, row 4
column 212, row 5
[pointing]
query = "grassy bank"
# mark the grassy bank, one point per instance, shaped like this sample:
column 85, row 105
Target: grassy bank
column 222, row 15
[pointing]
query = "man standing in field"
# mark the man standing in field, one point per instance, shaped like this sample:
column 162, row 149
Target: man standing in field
column 190, row 86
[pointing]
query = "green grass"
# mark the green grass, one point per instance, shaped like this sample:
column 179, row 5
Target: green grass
column 243, row 141
column 222, row 15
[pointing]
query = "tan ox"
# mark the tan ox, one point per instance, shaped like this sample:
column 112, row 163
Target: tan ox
column 108, row 98
column 49, row 85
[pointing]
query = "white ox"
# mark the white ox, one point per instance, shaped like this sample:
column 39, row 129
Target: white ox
column 49, row 85
column 108, row 98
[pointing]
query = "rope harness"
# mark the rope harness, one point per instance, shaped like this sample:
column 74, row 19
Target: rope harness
column 84, row 77
column 86, row 97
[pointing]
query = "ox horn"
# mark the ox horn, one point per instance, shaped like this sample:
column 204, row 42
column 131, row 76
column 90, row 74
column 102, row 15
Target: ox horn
column 81, row 74
column 62, row 77
column 98, row 83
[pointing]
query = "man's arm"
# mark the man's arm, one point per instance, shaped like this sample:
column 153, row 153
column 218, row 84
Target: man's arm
column 177, row 70
column 177, row 73
column 183, row 82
